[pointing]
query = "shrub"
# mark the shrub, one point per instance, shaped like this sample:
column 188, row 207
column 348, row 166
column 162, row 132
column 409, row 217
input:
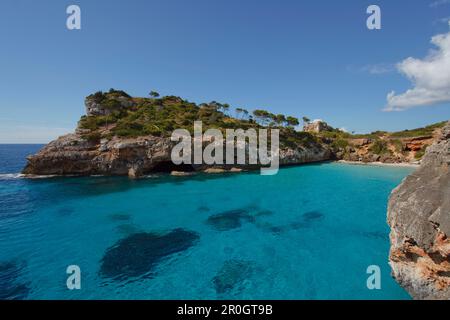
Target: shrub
column 88, row 122
column 340, row 144
column 398, row 145
column 379, row 147
column 419, row 154
column 93, row 137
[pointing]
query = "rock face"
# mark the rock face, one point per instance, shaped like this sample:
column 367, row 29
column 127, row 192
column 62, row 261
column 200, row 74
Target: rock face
column 74, row 155
column 85, row 153
column 386, row 150
column 316, row 126
column 95, row 107
column 419, row 217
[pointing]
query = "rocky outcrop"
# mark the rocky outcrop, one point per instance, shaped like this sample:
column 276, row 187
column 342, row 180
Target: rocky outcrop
column 96, row 148
column 72, row 154
column 419, row 217
column 385, row 149
column 317, row 126
column 102, row 105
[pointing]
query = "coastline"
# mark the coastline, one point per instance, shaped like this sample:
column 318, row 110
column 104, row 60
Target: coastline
column 380, row 164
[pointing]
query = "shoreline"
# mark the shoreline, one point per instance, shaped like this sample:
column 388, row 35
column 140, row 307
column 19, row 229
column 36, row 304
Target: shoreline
column 360, row 163
column 380, row 164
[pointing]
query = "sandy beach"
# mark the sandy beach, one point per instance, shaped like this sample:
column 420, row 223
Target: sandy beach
column 412, row 165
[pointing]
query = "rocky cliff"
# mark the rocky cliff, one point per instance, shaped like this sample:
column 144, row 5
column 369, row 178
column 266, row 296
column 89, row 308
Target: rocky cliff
column 121, row 135
column 419, row 217
column 73, row 155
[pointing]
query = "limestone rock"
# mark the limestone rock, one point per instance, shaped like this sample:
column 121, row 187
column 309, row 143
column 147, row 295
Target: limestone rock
column 317, row 126
column 181, row 173
column 419, row 217
column 214, row 170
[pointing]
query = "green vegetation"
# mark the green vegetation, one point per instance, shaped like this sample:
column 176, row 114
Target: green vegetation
column 425, row 131
column 154, row 94
column 159, row 116
column 398, row 145
column 419, row 154
column 339, row 144
column 380, row 147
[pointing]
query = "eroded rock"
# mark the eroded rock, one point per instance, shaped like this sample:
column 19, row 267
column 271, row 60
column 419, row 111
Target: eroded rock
column 419, row 217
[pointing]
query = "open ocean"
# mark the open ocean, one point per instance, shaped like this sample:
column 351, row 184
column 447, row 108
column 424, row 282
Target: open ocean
column 309, row 232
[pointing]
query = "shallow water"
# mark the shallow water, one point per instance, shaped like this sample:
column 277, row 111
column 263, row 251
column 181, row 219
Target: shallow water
column 309, row 232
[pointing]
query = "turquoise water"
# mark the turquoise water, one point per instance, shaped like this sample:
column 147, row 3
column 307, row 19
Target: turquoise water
column 308, row 232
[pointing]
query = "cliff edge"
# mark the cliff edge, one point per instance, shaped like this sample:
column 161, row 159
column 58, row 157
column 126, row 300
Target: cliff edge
column 419, row 217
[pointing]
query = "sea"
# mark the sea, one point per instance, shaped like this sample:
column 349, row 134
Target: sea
column 314, row 231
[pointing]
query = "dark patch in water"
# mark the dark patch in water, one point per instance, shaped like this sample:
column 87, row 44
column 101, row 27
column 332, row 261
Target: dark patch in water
column 229, row 220
column 203, row 209
column 10, row 288
column 306, row 219
column 232, row 275
column 120, row 217
column 278, row 229
column 312, row 215
column 139, row 253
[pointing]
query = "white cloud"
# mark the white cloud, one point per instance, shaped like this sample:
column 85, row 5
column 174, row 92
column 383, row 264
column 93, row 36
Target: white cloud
column 380, row 68
column 445, row 20
column 438, row 3
column 430, row 78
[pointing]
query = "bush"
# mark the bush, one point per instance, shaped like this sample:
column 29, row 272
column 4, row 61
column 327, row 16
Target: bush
column 379, row 147
column 419, row 154
column 93, row 137
column 340, row 144
column 398, row 145
column 88, row 122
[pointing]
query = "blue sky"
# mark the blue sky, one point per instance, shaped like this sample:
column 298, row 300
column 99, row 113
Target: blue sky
column 303, row 58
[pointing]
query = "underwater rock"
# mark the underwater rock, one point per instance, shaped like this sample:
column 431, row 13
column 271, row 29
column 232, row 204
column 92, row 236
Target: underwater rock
column 232, row 274
column 203, row 209
column 10, row 288
column 312, row 215
column 229, row 220
column 139, row 253
column 306, row 219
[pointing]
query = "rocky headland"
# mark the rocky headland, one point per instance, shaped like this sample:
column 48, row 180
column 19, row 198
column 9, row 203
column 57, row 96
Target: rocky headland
column 121, row 135
column 419, row 217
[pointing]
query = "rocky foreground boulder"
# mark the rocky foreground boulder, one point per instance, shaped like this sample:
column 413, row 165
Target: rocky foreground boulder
column 419, row 217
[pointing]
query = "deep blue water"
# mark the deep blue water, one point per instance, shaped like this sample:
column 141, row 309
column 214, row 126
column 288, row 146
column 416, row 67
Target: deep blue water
column 309, row 232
